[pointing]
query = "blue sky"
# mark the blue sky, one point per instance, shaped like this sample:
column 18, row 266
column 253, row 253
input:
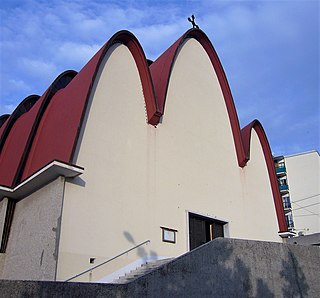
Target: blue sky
column 269, row 51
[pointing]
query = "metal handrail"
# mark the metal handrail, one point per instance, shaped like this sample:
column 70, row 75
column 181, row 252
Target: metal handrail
column 107, row 261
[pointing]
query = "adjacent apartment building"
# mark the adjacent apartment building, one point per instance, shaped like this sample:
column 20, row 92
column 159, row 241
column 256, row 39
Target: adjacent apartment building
column 281, row 173
column 130, row 153
column 299, row 183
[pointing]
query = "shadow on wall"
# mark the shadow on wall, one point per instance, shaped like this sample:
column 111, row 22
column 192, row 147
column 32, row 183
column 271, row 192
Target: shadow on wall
column 292, row 278
column 295, row 283
column 141, row 251
column 236, row 278
column 77, row 181
column 219, row 271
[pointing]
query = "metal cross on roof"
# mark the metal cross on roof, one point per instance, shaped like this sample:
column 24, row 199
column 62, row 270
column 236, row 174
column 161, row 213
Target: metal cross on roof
column 192, row 21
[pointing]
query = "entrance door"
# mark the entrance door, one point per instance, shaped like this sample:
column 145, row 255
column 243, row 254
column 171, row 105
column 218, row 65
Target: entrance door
column 203, row 230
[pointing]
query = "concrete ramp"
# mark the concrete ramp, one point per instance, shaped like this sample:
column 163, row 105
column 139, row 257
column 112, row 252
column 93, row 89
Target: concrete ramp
column 237, row 268
column 220, row 268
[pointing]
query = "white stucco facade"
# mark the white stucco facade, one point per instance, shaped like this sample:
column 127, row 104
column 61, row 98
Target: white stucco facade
column 139, row 178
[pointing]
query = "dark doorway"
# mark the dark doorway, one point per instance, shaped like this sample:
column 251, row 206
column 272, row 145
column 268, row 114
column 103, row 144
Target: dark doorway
column 203, row 229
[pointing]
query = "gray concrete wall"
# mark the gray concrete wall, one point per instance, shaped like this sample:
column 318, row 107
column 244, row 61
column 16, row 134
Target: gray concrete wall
column 237, row 268
column 31, row 252
column 47, row 289
column 3, row 209
column 221, row 268
column 312, row 239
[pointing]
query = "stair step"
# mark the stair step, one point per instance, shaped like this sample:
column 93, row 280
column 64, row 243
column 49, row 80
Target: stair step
column 142, row 270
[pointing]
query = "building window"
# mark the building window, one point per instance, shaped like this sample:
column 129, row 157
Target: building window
column 289, row 220
column 286, row 202
column 283, row 181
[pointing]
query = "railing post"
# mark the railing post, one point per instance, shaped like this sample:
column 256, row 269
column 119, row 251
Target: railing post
column 107, row 261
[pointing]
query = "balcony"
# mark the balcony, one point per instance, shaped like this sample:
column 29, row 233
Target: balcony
column 290, row 222
column 281, row 170
column 283, row 188
column 287, row 205
column 290, row 225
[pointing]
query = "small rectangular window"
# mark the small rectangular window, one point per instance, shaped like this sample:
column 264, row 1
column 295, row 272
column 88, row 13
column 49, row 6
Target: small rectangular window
column 168, row 235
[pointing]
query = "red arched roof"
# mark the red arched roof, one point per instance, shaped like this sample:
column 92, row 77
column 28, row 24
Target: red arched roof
column 22, row 108
column 50, row 129
column 68, row 107
column 21, row 134
column 161, row 71
column 3, row 119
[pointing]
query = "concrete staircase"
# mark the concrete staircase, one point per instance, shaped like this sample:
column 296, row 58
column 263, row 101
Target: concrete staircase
column 142, row 270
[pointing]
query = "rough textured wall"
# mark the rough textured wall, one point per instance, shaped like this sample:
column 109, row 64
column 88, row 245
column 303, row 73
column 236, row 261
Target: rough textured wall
column 236, row 268
column 3, row 209
column 221, row 268
column 31, row 253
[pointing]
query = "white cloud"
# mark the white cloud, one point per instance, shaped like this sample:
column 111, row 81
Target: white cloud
column 75, row 53
column 17, row 84
column 6, row 109
column 155, row 44
column 37, row 68
column 269, row 49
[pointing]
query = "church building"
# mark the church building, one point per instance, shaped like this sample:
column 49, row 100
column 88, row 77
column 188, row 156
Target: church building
column 135, row 158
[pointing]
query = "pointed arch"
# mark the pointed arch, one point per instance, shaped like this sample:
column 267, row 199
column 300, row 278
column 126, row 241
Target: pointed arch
column 246, row 136
column 22, row 132
column 77, row 94
column 3, row 119
column 22, row 108
column 161, row 71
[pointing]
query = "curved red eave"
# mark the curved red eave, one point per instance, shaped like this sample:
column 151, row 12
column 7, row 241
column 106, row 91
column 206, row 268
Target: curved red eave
column 3, row 119
column 20, row 136
column 56, row 132
column 68, row 107
column 22, row 108
column 14, row 146
column 246, row 136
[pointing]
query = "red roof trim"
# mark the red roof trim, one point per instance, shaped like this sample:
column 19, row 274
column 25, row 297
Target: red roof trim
column 128, row 39
column 3, row 119
column 60, row 82
column 77, row 94
column 22, row 108
column 246, row 135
